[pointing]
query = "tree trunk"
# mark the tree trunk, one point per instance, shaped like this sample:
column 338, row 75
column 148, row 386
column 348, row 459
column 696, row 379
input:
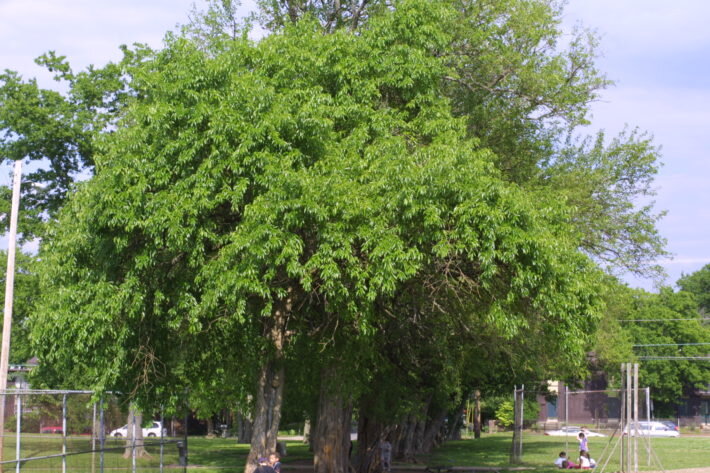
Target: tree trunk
column 477, row 416
column 244, row 428
column 210, row 427
column 369, row 434
column 407, row 443
column 135, row 424
column 419, row 437
column 269, row 393
column 307, row 432
column 433, row 430
column 331, row 435
column 455, row 424
column 267, row 413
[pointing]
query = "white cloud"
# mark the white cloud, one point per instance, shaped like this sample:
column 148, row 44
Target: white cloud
column 649, row 26
column 86, row 31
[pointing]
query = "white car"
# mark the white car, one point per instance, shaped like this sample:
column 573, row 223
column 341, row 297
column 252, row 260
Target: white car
column 655, row 429
column 153, row 431
column 573, row 430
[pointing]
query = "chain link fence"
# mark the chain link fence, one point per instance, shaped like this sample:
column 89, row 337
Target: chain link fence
column 66, row 431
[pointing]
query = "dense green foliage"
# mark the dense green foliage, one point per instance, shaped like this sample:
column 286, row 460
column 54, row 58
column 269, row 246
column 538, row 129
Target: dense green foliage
column 391, row 189
column 57, row 130
column 26, row 294
column 698, row 284
column 327, row 167
column 674, row 378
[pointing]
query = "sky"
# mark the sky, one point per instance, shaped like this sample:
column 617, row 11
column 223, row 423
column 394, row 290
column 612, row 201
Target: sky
column 657, row 52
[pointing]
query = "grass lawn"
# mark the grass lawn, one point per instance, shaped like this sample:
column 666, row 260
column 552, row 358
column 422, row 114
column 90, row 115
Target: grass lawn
column 539, row 451
column 221, row 455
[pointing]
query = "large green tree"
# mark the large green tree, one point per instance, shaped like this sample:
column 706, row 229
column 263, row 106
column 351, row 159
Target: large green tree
column 254, row 192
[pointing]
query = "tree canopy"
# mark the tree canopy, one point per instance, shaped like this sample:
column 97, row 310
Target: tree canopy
column 397, row 201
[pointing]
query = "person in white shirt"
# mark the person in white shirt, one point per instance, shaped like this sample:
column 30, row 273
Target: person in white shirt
column 560, row 459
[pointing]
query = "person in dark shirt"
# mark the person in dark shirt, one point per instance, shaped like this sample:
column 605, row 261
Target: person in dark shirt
column 264, row 466
column 275, row 462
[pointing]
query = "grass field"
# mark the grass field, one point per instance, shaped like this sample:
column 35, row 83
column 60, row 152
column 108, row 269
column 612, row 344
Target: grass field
column 220, row 455
column 539, row 451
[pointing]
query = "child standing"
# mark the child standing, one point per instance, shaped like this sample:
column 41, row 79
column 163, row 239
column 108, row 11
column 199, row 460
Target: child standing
column 583, row 447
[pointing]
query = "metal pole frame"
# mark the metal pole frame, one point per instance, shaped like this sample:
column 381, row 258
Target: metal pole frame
column 93, row 439
column 18, row 431
column 102, row 437
column 187, row 416
column 566, row 416
column 162, row 440
column 522, row 419
column 64, row 433
column 629, row 418
column 622, row 417
column 636, row 416
column 648, row 419
column 133, row 443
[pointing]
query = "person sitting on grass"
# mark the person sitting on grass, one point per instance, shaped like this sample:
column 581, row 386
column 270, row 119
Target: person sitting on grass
column 585, row 461
column 263, row 466
column 275, row 462
column 561, row 459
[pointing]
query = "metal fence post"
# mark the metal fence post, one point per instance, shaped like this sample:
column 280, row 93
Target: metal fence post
column 93, row 439
column 102, row 438
column 162, row 439
column 18, row 430
column 522, row 419
column 133, row 443
column 64, row 433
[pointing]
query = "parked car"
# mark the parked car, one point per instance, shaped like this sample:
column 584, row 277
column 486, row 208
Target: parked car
column 670, row 425
column 51, row 429
column 574, row 431
column 154, row 430
column 655, row 429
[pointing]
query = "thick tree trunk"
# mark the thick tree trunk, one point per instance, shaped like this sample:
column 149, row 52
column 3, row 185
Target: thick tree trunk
column 369, row 434
column 419, row 436
column 433, row 430
column 331, row 435
column 269, row 393
column 267, row 413
column 456, row 422
column 407, row 448
column 210, row 427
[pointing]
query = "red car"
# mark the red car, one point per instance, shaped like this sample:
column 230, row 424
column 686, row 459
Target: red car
column 51, row 429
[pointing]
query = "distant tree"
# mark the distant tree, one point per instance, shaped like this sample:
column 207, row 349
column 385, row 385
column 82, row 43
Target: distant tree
column 678, row 329
column 26, row 295
column 698, row 284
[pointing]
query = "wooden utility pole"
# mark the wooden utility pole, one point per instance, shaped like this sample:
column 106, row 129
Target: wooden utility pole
column 9, row 288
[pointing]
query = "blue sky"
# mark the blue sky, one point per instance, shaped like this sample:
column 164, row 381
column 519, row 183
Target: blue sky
column 657, row 52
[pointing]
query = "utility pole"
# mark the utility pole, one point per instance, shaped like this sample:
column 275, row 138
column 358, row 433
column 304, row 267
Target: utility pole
column 9, row 289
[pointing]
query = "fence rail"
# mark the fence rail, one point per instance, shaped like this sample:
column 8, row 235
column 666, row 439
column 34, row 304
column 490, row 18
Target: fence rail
column 69, row 431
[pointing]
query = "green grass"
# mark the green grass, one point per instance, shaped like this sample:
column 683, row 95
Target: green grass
column 220, row 455
column 539, row 451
